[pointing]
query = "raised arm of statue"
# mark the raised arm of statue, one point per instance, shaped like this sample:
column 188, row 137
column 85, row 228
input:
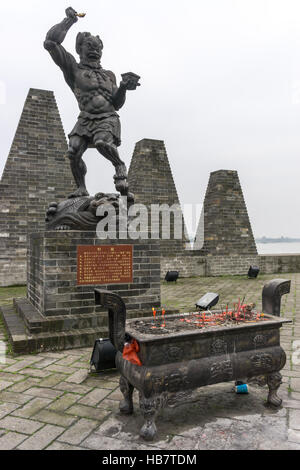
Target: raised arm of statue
column 54, row 38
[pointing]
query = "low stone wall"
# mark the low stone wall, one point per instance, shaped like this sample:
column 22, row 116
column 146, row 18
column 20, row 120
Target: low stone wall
column 192, row 264
column 234, row 264
column 12, row 266
column 189, row 264
column 280, row 263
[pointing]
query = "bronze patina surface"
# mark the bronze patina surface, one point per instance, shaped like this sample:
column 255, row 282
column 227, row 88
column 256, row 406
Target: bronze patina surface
column 175, row 363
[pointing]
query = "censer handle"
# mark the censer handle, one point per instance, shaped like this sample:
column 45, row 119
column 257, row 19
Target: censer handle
column 271, row 295
column 116, row 316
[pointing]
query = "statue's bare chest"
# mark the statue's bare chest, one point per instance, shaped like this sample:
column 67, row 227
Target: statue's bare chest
column 87, row 80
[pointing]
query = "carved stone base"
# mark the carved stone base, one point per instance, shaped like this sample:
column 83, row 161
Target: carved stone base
column 80, row 213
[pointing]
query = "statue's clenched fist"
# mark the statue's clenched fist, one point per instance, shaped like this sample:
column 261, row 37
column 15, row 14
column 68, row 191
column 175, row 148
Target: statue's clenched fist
column 71, row 13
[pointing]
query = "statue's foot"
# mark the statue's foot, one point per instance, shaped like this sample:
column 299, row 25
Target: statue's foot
column 121, row 171
column 121, row 185
column 79, row 192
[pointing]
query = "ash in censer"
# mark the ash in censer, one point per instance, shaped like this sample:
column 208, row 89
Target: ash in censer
column 162, row 325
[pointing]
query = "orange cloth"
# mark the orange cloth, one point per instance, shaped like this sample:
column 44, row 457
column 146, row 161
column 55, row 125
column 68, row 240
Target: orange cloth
column 130, row 351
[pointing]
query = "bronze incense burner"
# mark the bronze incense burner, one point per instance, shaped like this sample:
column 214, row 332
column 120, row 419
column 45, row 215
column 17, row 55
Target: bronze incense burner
column 186, row 359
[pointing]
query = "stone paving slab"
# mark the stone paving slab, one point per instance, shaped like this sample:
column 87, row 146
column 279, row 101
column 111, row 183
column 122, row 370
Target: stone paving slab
column 94, row 397
column 11, row 440
column 32, row 407
column 78, row 431
column 88, row 412
column 52, row 417
column 78, row 377
column 10, row 377
column 4, row 384
column 51, row 400
column 43, row 392
column 63, row 446
column 7, row 408
column 42, row 438
column 24, row 385
column 64, row 402
column 25, row 426
column 12, row 397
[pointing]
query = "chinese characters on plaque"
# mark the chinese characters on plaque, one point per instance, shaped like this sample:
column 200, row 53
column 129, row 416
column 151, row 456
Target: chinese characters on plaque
column 104, row 264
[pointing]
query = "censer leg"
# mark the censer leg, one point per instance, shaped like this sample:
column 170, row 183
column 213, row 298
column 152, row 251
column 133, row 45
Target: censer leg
column 149, row 407
column 126, row 405
column 274, row 381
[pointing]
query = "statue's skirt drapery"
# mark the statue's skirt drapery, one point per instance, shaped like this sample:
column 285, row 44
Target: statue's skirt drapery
column 88, row 125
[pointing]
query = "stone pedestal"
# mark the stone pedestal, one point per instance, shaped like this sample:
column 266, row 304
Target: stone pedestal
column 52, row 274
column 60, row 314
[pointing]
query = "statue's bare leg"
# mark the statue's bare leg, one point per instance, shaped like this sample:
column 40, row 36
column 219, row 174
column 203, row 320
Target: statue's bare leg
column 105, row 146
column 77, row 147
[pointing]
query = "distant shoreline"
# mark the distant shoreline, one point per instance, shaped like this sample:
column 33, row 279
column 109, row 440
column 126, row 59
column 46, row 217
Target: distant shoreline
column 277, row 240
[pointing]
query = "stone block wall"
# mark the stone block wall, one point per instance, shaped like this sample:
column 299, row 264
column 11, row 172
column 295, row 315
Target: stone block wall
column 199, row 265
column 189, row 264
column 150, row 179
column 224, row 227
column 36, row 173
column 283, row 263
column 232, row 264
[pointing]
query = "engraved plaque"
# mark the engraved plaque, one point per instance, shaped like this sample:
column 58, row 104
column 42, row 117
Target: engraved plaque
column 109, row 264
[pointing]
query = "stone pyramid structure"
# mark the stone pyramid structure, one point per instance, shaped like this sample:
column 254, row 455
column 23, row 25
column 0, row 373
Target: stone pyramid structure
column 36, row 173
column 224, row 227
column 150, row 179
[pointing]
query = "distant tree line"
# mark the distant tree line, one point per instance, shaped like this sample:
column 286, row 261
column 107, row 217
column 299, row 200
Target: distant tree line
column 277, row 240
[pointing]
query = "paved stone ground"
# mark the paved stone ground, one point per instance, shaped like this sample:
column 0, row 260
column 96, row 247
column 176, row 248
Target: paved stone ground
column 51, row 401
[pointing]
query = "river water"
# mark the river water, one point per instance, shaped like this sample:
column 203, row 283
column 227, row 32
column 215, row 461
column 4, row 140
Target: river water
column 278, row 248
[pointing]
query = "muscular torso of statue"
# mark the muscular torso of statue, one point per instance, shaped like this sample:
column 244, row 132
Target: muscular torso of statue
column 93, row 91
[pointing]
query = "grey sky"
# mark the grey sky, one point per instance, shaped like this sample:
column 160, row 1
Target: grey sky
column 220, row 85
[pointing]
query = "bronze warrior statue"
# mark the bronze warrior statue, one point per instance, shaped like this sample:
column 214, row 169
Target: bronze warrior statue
column 98, row 98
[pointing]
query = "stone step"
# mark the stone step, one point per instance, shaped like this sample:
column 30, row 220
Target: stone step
column 11, row 320
column 30, row 332
column 37, row 323
column 23, row 342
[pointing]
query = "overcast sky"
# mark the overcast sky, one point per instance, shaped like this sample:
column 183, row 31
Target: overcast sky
column 220, row 85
